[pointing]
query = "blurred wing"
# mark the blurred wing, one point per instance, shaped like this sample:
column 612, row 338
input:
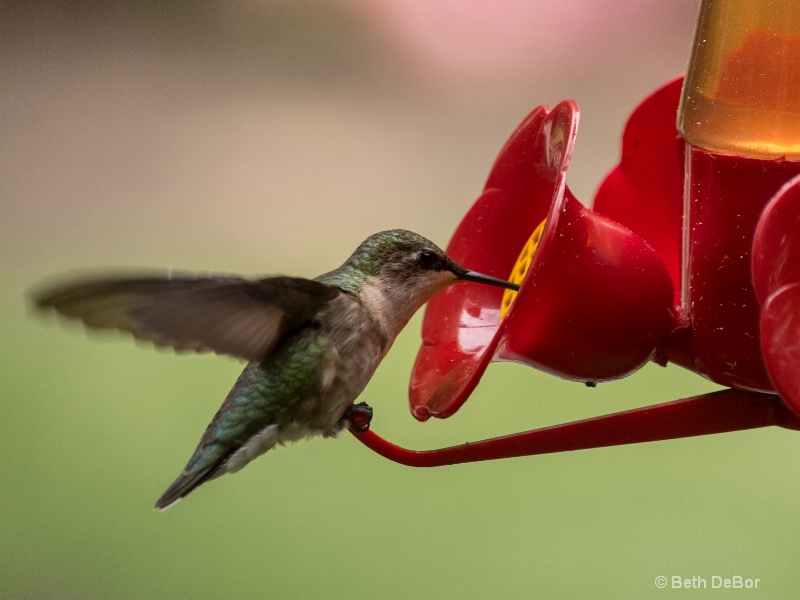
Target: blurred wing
column 226, row 315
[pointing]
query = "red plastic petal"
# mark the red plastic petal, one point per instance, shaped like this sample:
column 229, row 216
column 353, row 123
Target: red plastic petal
column 780, row 342
column 645, row 191
column 776, row 278
column 776, row 244
column 596, row 303
column 460, row 329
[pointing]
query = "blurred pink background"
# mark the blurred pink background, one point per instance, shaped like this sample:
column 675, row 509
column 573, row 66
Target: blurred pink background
column 247, row 135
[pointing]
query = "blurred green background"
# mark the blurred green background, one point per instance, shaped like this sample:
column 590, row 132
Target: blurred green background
column 272, row 137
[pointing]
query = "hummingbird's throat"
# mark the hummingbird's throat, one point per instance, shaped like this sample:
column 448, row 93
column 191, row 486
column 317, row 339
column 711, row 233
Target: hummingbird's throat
column 521, row 268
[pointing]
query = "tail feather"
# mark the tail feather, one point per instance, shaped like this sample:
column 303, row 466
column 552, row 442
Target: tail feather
column 206, row 463
column 184, row 484
column 213, row 458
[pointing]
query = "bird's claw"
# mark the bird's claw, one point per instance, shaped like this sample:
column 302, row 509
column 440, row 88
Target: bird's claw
column 358, row 417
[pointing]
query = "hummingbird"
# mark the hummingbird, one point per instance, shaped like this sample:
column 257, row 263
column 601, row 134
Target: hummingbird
column 311, row 346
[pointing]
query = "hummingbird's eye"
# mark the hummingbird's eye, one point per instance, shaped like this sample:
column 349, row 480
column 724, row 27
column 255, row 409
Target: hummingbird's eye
column 427, row 259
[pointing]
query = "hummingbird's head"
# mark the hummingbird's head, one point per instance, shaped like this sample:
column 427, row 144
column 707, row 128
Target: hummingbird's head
column 402, row 270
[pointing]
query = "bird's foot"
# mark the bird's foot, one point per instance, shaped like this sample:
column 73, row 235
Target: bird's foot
column 358, row 417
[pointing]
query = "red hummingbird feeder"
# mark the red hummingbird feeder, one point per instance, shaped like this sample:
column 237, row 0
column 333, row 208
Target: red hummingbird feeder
column 690, row 255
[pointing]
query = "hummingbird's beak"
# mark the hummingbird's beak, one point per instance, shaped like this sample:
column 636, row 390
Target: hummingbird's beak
column 487, row 279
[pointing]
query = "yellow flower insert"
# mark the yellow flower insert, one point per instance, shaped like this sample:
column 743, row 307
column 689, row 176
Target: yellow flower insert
column 521, row 268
